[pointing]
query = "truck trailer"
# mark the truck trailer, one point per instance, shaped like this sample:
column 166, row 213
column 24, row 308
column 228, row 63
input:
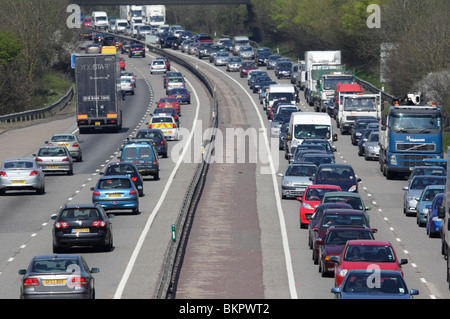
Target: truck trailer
column 98, row 95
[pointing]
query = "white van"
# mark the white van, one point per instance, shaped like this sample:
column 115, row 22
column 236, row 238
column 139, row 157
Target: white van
column 283, row 92
column 100, row 20
column 121, row 25
column 238, row 42
column 308, row 125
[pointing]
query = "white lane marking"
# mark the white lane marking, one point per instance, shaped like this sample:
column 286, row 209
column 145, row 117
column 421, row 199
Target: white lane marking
column 152, row 216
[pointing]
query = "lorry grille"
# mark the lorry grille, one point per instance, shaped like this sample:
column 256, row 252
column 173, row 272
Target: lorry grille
column 415, row 147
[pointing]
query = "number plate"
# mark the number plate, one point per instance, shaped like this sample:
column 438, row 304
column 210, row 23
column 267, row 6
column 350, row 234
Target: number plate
column 97, row 123
column 17, row 182
column 52, row 166
column 54, row 282
column 80, row 230
column 113, row 195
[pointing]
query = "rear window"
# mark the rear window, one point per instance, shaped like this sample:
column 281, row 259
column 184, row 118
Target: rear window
column 121, row 169
column 79, row 213
column 113, row 183
column 22, row 164
column 57, row 151
column 53, row 265
column 150, row 135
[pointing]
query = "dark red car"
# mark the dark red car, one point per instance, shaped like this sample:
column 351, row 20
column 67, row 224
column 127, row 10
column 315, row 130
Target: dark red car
column 246, row 67
column 334, row 241
column 333, row 217
column 360, row 254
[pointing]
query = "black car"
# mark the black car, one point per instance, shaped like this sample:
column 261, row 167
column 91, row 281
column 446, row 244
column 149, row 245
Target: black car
column 56, row 277
column 125, row 48
column 359, row 126
column 82, row 225
column 261, row 55
column 169, row 41
column 136, row 49
column 126, row 168
column 341, row 175
column 109, row 40
column 159, row 141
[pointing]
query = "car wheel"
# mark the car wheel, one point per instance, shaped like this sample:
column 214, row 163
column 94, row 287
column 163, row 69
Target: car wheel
column 156, row 176
column 41, row 190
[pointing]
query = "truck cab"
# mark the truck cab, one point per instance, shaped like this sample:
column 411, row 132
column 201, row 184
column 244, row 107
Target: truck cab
column 353, row 106
column 409, row 134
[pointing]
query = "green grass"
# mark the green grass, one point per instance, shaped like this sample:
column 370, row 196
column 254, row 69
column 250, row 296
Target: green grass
column 49, row 89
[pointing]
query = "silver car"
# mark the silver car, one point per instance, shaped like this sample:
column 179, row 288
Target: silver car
column 54, row 159
column 70, row 141
column 415, row 188
column 234, row 64
column 221, row 58
column 372, row 147
column 21, row 174
column 296, row 178
column 246, row 52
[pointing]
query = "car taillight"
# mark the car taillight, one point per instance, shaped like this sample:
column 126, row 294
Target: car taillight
column 66, row 159
column 38, row 159
column 163, row 142
column 75, row 145
column 3, row 173
column 29, row 282
column 154, row 161
column 150, row 125
column 174, row 125
column 133, row 192
column 96, row 193
column 61, row 225
column 79, row 281
column 99, row 223
column 134, row 178
column 33, row 173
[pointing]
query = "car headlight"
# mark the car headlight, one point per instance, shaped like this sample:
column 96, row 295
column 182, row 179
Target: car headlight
column 287, row 183
column 370, row 148
column 342, row 272
column 306, row 205
column 352, row 189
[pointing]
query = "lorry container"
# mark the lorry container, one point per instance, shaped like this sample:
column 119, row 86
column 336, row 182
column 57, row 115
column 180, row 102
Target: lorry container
column 98, row 96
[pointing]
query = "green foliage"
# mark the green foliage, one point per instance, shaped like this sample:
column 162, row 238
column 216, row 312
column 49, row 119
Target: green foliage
column 10, row 47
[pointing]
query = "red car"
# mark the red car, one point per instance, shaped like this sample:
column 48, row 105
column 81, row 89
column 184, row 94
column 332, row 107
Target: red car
column 312, row 197
column 246, row 67
column 360, row 254
column 332, row 244
column 87, row 22
column 122, row 63
column 169, row 102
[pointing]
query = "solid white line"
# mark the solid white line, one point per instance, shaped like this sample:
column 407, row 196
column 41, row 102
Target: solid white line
column 152, row 216
column 284, row 237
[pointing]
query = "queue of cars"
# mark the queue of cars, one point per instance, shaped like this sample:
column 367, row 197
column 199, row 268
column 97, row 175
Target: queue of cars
column 337, row 219
column 117, row 190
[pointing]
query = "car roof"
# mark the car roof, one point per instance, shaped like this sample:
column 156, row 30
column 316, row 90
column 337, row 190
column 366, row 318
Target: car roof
column 368, row 242
column 323, row 186
column 348, row 194
column 56, row 256
column 343, row 211
column 84, row 205
column 16, row 159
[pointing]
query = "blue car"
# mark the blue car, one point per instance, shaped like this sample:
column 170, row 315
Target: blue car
column 434, row 223
column 424, row 200
column 365, row 284
column 181, row 94
column 116, row 192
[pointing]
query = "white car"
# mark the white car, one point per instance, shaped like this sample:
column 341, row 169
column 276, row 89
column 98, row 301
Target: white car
column 158, row 66
column 126, row 86
column 166, row 123
column 21, row 174
column 70, row 141
column 128, row 75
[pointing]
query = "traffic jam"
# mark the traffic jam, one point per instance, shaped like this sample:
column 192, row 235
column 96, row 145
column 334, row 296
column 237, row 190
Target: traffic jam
column 331, row 210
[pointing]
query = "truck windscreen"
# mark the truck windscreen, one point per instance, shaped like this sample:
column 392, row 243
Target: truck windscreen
column 411, row 123
column 360, row 104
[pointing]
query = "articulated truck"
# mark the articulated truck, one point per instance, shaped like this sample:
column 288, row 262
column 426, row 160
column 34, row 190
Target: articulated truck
column 98, row 94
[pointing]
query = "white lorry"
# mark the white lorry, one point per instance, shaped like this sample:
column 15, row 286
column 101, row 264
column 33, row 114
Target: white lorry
column 100, row 20
column 155, row 15
column 356, row 105
column 315, row 61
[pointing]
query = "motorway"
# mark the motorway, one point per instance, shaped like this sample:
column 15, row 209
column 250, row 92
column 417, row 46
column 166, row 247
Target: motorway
column 245, row 241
